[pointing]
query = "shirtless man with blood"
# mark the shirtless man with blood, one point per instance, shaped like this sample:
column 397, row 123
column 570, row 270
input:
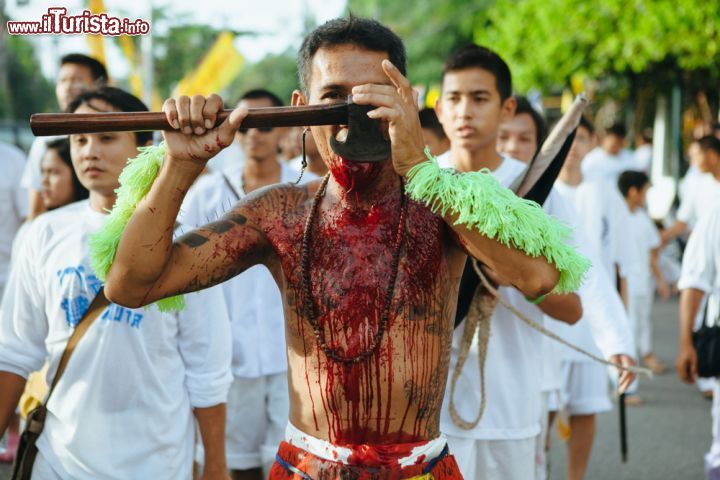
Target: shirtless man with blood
column 367, row 270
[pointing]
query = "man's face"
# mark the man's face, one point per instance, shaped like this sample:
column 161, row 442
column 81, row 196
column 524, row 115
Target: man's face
column 637, row 196
column 583, row 143
column 57, row 180
column 695, row 154
column 470, row 108
column 708, row 161
column 255, row 143
column 72, row 80
column 613, row 144
column 518, row 137
column 335, row 71
column 99, row 158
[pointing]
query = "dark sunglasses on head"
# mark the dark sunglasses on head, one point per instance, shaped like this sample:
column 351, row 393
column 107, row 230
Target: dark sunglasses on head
column 262, row 129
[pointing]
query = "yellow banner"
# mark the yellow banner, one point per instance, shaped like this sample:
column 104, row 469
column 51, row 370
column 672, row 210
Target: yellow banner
column 432, row 96
column 95, row 42
column 128, row 48
column 217, row 69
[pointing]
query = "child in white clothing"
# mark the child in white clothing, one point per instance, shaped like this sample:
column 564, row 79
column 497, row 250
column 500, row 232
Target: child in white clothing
column 645, row 239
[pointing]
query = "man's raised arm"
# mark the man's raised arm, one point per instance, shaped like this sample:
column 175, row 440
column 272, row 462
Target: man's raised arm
column 517, row 240
column 148, row 266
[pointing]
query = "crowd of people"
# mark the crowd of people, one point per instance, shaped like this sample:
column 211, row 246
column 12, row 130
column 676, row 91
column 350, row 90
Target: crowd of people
column 322, row 334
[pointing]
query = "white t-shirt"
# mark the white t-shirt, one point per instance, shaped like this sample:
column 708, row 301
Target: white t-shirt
column 705, row 194
column 227, row 158
column 643, row 158
column 687, row 184
column 643, row 237
column 252, row 298
column 513, row 374
column 604, row 216
column 13, row 204
column 604, row 329
column 123, row 408
column 600, row 165
column 701, row 262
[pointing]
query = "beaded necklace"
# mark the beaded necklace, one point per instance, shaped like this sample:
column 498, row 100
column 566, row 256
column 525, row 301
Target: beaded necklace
column 309, row 304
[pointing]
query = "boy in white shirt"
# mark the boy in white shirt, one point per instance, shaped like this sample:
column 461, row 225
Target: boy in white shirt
column 608, row 160
column 77, row 73
column 643, row 236
column 700, row 282
column 124, row 407
column 571, row 379
column 476, row 99
column 704, row 192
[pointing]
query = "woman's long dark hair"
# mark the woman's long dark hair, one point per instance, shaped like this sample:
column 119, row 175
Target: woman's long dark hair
column 62, row 147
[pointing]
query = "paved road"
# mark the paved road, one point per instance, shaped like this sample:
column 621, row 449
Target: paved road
column 667, row 436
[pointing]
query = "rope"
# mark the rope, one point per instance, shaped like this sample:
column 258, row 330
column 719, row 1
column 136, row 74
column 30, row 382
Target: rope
column 478, row 319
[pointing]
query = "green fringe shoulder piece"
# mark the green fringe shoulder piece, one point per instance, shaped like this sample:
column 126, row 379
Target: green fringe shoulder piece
column 135, row 180
column 482, row 204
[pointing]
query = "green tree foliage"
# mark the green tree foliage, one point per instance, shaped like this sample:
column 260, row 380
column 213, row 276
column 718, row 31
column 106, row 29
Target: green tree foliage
column 430, row 30
column 277, row 73
column 29, row 92
column 179, row 46
column 547, row 41
column 178, row 50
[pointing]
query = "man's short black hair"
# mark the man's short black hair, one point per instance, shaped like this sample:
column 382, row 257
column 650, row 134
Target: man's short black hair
column 120, row 99
column 710, row 142
column 352, row 30
column 62, row 147
column 587, row 125
column 475, row 56
column 617, row 129
column 524, row 106
column 429, row 120
column 97, row 69
column 632, row 179
column 261, row 93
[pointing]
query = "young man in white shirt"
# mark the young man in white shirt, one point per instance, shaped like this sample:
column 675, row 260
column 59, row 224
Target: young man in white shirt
column 570, row 379
column 124, row 407
column 257, row 411
column 700, row 287
column 78, row 72
column 608, row 160
column 705, row 191
column 522, row 135
column 476, row 99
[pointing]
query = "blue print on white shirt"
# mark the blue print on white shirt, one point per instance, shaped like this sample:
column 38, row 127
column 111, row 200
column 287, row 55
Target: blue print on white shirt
column 78, row 289
column 119, row 314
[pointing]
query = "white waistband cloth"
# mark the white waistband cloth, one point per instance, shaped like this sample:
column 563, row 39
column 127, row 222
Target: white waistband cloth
column 335, row 453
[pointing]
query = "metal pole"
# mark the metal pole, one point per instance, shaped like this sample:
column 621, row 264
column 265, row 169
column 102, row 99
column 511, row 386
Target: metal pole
column 148, row 63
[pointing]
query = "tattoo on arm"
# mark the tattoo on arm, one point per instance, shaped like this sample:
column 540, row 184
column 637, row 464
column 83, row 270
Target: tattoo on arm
column 236, row 218
column 220, row 226
column 193, row 239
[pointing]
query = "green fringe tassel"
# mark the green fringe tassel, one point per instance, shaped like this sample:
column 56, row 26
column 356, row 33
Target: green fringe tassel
column 135, row 180
column 482, row 204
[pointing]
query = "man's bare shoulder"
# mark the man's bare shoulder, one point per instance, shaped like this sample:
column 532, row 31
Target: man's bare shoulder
column 280, row 199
